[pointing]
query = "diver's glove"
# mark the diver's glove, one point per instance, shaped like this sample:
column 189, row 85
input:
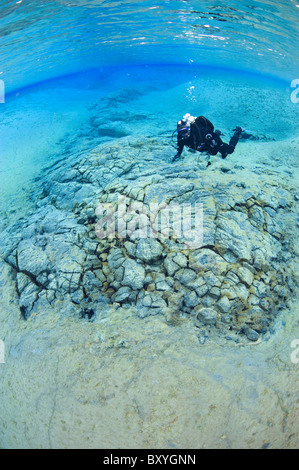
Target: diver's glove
column 177, row 155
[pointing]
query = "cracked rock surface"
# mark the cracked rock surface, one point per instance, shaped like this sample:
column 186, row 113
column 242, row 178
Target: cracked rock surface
column 235, row 281
column 147, row 342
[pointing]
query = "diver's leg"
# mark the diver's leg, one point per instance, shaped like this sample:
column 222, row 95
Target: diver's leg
column 235, row 138
column 227, row 149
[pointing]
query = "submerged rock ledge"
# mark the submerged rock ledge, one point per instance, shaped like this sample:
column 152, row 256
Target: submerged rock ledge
column 234, row 282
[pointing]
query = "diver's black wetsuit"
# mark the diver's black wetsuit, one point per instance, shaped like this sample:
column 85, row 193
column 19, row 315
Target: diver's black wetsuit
column 200, row 136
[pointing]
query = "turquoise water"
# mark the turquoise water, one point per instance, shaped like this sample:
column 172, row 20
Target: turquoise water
column 65, row 36
column 118, row 347
column 43, row 122
column 59, row 59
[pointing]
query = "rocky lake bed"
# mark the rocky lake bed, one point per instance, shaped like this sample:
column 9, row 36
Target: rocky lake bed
column 147, row 303
column 235, row 281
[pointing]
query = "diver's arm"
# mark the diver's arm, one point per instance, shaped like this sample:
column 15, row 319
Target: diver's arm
column 180, row 146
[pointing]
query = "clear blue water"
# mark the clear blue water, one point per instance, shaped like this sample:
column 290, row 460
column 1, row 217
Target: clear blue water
column 60, row 58
column 50, row 120
column 48, row 39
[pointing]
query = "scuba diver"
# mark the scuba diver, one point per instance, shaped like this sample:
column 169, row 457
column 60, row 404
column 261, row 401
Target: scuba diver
column 198, row 133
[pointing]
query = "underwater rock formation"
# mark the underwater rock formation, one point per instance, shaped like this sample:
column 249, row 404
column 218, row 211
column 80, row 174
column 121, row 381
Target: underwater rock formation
column 236, row 279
